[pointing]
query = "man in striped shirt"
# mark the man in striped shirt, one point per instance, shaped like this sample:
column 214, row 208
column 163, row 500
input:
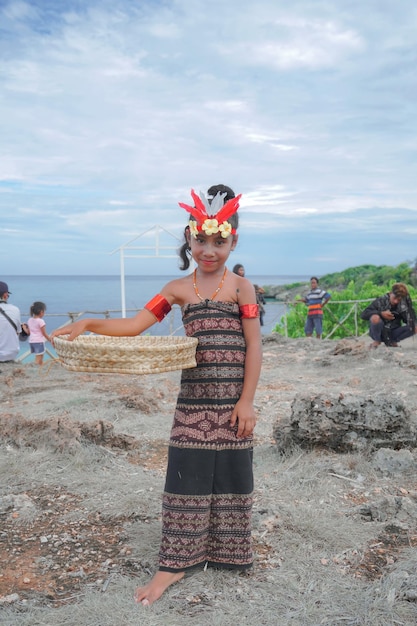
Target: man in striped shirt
column 315, row 300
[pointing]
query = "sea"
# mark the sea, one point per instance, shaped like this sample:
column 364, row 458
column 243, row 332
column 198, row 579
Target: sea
column 71, row 297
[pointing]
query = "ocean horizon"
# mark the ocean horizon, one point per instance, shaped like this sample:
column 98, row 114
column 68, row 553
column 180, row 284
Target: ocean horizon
column 71, row 296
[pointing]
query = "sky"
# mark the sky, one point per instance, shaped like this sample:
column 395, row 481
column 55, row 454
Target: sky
column 112, row 111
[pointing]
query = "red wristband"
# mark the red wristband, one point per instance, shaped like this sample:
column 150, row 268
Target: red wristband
column 158, row 306
column 249, row 311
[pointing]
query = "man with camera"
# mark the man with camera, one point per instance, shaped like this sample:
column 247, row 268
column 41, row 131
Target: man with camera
column 10, row 326
column 391, row 317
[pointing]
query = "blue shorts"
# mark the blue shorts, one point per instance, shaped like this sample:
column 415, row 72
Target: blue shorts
column 37, row 348
column 314, row 322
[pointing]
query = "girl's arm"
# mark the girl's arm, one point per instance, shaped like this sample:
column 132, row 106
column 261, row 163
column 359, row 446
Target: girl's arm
column 118, row 327
column 44, row 333
column 244, row 412
column 121, row 327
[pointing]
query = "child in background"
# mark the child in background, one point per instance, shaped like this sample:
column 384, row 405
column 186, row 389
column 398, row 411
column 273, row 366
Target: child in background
column 260, row 299
column 239, row 270
column 207, row 501
column 38, row 332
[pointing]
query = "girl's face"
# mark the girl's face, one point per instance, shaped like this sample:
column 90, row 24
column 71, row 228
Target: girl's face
column 241, row 271
column 211, row 252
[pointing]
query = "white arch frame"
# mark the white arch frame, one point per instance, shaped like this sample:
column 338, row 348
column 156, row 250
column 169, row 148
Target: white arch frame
column 157, row 255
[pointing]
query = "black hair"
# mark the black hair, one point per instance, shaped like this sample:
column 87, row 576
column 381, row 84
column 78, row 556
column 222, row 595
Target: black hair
column 185, row 250
column 37, row 308
column 410, row 313
column 314, row 278
column 215, row 189
column 237, row 267
column 399, row 290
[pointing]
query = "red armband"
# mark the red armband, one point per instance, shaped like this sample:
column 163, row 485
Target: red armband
column 158, row 306
column 249, row 311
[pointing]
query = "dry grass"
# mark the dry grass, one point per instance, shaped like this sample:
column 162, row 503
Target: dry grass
column 318, row 560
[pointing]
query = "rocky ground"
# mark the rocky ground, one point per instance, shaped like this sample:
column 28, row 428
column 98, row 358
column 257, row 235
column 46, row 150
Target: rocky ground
column 82, row 460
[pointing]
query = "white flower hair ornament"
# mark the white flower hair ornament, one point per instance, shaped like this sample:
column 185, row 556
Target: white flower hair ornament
column 211, row 217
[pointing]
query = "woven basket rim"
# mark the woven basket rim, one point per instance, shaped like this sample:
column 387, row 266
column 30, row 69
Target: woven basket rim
column 141, row 354
column 159, row 342
column 156, row 338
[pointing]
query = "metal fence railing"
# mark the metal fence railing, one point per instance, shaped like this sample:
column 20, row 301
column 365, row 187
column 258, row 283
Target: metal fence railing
column 355, row 310
column 170, row 325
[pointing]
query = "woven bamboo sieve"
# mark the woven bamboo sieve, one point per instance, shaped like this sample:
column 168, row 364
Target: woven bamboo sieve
column 126, row 355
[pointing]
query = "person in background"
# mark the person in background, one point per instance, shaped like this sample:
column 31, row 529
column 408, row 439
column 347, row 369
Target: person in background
column 239, row 269
column 38, row 332
column 260, row 299
column 10, row 326
column 315, row 300
column 208, row 495
column 391, row 317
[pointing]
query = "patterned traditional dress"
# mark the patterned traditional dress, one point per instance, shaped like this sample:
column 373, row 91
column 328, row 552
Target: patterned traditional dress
column 207, row 501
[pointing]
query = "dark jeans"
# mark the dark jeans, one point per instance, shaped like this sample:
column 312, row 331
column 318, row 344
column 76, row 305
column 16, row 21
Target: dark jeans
column 378, row 333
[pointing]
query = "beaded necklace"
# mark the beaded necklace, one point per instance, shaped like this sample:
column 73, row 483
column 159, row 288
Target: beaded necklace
column 197, row 293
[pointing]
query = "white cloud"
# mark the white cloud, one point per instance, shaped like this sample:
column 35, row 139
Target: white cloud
column 119, row 203
column 267, row 199
column 19, row 11
column 268, row 140
column 292, row 43
column 221, row 106
column 110, row 114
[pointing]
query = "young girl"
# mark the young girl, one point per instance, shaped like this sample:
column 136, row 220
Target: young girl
column 239, row 269
column 38, row 332
column 207, row 501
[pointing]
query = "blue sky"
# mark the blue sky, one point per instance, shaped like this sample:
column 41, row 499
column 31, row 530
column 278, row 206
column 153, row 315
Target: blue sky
column 110, row 112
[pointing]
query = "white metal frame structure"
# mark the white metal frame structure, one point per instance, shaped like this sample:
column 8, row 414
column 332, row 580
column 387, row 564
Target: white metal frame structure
column 156, row 247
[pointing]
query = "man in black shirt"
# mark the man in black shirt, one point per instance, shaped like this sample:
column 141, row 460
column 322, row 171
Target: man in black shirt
column 391, row 317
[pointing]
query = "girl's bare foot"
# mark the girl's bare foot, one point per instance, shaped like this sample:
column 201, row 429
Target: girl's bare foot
column 153, row 590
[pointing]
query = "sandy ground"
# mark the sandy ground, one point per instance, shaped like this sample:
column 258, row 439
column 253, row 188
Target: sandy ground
column 82, row 463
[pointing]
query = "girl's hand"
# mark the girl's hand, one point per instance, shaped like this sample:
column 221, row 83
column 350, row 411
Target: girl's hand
column 244, row 414
column 73, row 330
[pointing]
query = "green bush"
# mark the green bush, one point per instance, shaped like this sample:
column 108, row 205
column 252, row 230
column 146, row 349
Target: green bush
column 381, row 275
column 334, row 314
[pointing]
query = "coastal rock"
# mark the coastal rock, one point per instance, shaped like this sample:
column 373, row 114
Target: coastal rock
column 286, row 293
column 391, row 462
column 346, row 423
column 401, row 509
column 9, row 599
column 19, row 504
column 62, row 433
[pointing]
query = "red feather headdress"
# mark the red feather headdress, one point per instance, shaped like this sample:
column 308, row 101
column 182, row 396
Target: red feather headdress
column 216, row 220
